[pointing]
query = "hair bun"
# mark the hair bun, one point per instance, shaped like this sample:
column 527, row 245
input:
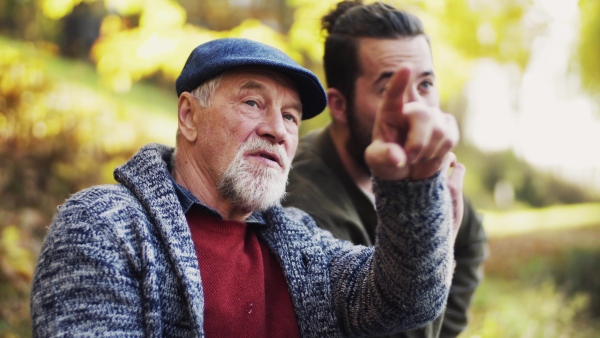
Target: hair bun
column 329, row 20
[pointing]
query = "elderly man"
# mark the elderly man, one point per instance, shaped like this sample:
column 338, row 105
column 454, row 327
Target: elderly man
column 192, row 241
column 331, row 181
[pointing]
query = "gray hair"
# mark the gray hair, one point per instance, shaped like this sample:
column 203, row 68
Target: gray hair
column 205, row 91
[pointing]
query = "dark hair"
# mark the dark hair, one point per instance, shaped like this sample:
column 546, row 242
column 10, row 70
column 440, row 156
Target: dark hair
column 348, row 22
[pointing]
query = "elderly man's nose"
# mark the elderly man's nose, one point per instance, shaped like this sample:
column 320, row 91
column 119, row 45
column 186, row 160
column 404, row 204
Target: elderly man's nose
column 273, row 127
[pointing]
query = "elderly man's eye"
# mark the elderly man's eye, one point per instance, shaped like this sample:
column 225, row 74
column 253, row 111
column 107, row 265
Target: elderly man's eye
column 291, row 117
column 251, row 103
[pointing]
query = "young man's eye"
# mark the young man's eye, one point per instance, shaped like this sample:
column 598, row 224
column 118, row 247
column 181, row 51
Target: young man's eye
column 426, row 84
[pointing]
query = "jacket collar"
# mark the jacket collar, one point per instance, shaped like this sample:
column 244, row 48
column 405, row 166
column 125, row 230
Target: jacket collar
column 146, row 174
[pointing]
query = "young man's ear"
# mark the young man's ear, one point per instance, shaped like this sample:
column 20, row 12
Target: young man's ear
column 187, row 109
column 337, row 105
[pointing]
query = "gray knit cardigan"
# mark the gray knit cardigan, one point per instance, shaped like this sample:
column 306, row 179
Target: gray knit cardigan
column 119, row 261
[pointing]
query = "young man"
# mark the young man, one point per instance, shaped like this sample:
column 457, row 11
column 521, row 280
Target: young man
column 366, row 45
column 193, row 241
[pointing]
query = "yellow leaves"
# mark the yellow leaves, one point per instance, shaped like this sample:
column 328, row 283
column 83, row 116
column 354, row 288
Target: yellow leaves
column 110, row 25
column 452, row 71
column 254, row 30
column 3, row 125
column 122, row 137
column 463, row 29
column 186, row 40
column 16, row 262
column 56, row 9
column 305, row 34
column 34, row 113
column 9, row 54
column 15, row 77
column 162, row 15
column 124, row 7
column 588, row 49
column 162, row 43
column 116, row 60
column 154, row 46
column 119, row 81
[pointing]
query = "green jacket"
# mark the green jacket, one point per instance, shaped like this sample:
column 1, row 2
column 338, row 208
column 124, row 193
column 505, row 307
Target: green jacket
column 320, row 185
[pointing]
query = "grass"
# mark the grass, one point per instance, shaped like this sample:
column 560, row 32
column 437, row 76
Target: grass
column 521, row 295
column 504, row 308
column 507, row 223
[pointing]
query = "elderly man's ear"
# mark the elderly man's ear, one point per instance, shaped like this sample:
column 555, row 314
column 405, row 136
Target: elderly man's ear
column 337, row 105
column 187, row 114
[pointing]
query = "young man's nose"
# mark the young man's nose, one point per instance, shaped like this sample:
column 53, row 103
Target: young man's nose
column 411, row 94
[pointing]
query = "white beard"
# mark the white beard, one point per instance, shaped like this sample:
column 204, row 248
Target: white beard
column 255, row 187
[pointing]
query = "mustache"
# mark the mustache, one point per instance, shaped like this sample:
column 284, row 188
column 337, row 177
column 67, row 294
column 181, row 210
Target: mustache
column 259, row 144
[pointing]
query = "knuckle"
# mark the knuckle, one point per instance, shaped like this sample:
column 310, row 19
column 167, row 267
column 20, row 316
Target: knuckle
column 447, row 145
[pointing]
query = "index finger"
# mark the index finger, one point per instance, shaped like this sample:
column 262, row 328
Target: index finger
column 393, row 99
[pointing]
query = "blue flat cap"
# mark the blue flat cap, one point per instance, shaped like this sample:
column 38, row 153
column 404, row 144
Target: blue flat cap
column 217, row 56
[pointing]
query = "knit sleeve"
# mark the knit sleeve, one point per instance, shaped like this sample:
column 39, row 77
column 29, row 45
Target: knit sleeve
column 84, row 283
column 405, row 283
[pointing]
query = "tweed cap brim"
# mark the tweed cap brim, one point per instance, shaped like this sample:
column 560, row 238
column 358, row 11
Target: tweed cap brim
column 217, row 56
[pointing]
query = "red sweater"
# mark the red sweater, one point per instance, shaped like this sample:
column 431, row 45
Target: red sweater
column 245, row 291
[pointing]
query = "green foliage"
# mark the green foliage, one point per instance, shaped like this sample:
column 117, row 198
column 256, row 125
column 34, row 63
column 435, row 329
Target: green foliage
column 588, row 50
column 578, row 272
column 532, row 187
column 536, row 188
column 515, row 309
column 521, row 295
column 487, row 29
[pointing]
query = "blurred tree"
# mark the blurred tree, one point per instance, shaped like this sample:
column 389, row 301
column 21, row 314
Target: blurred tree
column 224, row 15
column 159, row 35
column 166, row 31
column 25, row 20
column 588, row 50
column 531, row 187
column 81, row 28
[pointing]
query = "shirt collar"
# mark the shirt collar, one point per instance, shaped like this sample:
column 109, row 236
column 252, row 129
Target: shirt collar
column 187, row 200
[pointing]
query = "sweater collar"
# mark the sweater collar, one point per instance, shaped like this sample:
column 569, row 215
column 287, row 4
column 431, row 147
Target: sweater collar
column 154, row 161
column 187, row 200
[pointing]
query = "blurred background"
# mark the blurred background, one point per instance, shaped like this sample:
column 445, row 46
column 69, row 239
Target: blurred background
column 85, row 83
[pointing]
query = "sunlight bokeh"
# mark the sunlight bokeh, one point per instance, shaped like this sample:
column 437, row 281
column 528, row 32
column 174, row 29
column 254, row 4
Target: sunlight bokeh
column 542, row 114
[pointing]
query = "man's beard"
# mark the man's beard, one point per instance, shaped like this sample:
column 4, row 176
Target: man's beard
column 255, row 187
column 360, row 138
